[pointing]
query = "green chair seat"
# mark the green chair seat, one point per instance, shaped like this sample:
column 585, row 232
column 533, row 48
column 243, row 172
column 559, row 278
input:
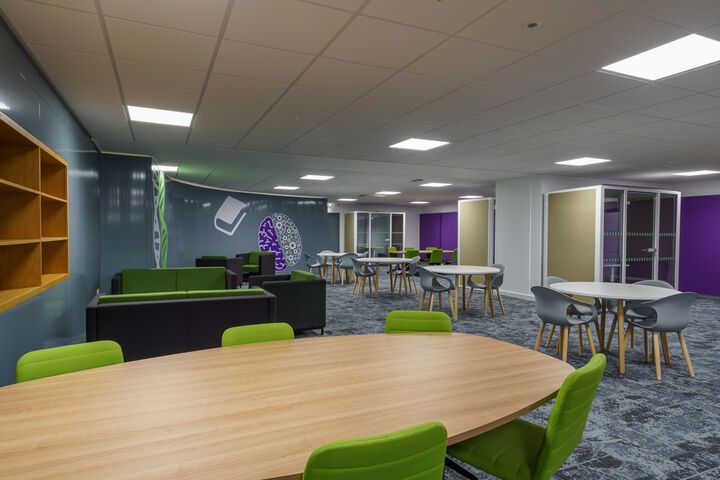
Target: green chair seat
column 416, row 453
column 405, row 321
column 302, row 275
column 263, row 332
column 69, row 358
column 522, row 450
column 141, row 297
column 225, row 293
column 251, row 268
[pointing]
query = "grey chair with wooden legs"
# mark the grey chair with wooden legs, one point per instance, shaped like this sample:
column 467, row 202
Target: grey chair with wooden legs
column 410, row 271
column 435, row 284
column 666, row 315
column 496, row 281
column 312, row 262
column 554, row 308
column 362, row 271
column 578, row 311
column 344, row 265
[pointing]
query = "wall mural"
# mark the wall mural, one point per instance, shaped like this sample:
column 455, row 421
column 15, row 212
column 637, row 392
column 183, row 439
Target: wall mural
column 160, row 231
column 207, row 221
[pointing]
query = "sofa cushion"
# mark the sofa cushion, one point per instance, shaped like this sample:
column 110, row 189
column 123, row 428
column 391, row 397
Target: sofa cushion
column 225, row 293
column 251, row 268
column 200, row 278
column 141, row 297
column 215, row 257
column 144, row 280
column 302, row 275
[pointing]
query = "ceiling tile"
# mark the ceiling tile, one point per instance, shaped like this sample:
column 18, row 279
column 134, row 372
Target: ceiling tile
column 707, row 117
column 243, row 89
column 433, row 116
column 640, row 97
column 413, row 88
column 136, row 41
column 385, row 44
column 380, row 108
column 73, row 89
column 71, row 64
column 400, row 131
column 325, row 135
column 505, row 25
column 472, row 99
column 224, row 122
column 699, row 80
column 308, row 147
column 101, row 117
column 576, row 114
column 352, row 124
column 151, row 76
column 287, row 24
column 69, row 29
column 330, row 74
column 463, row 60
column 260, row 62
column 681, row 106
column 690, row 14
column 143, row 97
column 85, row 5
column 189, row 15
column 531, row 74
column 447, row 16
column 304, row 98
column 619, row 122
column 350, row 5
column 592, row 86
column 613, row 39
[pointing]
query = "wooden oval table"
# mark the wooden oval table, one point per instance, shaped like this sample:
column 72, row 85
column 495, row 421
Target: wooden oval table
column 258, row 411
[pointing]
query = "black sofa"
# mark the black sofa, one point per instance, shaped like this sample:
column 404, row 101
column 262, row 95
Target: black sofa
column 300, row 296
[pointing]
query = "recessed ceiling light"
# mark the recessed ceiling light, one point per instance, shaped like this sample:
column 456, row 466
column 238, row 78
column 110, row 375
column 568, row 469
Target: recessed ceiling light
column 164, row 117
column 435, row 184
column 579, row 162
column 4, row 106
column 164, row 168
column 697, row 172
column 316, row 177
column 419, row 144
column 418, row 202
column 678, row 56
column 467, row 197
column 285, row 187
column 385, row 192
column 347, row 199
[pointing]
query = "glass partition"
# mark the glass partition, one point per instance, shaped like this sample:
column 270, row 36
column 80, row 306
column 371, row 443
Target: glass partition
column 363, row 231
column 397, row 232
column 640, row 236
column 379, row 233
column 613, row 229
column 667, row 256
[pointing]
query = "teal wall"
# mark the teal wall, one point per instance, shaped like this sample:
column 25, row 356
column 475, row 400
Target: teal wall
column 57, row 316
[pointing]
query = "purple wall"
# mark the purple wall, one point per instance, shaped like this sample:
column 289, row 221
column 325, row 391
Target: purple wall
column 438, row 230
column 700, row 245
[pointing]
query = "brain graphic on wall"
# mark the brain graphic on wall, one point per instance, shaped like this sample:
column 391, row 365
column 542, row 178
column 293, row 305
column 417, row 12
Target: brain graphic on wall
column 278, row 234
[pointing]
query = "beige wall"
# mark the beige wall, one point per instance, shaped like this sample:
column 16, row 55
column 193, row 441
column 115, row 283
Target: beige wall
column 473, row 232
column 571, row 235
column 349, row 237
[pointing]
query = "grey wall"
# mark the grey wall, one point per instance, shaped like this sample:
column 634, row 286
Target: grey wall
column 57, row 316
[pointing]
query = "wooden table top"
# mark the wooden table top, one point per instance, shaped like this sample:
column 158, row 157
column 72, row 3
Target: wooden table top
column 258, row 411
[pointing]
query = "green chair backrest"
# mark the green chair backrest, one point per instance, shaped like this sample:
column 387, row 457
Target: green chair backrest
column 568, row 417
column 416, row 453
column 200, row 278
column 404, row 321
column 69, row 358
column 436, row 256
column 145, row 280
column 392, row 251
column 454, row 257
column 411, row 252
column 263, row 332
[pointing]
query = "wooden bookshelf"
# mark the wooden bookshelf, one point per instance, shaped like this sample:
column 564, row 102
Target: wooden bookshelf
column 34, row 245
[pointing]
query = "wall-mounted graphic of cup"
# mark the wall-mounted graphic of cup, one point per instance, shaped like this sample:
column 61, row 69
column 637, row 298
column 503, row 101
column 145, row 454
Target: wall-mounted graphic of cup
column 229, row 215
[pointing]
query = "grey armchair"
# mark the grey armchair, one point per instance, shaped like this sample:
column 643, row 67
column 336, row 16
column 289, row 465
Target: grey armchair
column 344, row 265
column 555, row 308
column 410, row 272
column 312, row 262
column 666, row 315
column 496, row 281
column 362, row 271
column 579, row 311
column 435, row 284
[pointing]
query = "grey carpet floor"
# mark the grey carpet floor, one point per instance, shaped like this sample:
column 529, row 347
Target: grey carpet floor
column 639, row 428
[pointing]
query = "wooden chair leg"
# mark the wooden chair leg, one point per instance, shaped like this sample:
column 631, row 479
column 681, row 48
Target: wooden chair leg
column 665, row 349
column 432, row 299
column 469, row 299
column 580, row 340
column 550, row 336
column 539, row 336
column 591, row 342
column 613, row 326
column 500, row 299
column 686, row 354
column 645, row 342
column 656, row 355
column 601, row 336
column 422, row 301
column 566, row 340
column 452, row 305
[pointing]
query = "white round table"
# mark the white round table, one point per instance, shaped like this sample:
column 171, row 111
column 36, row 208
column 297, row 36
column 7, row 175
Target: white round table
column 332, row 255
column 461, row 272
column 377, row 261
column 620, row 292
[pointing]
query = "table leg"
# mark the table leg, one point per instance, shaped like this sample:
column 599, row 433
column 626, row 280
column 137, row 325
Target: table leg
column 332, row 267
column 464, row 286
column 457, row 293
column 489, row 294
column 601, row 333
column 621, row 335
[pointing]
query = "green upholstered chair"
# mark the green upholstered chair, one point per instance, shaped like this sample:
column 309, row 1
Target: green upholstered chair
column 253, row 262
column 49, row 362
column 521, row 450
column 406, row 321
column 263, row 332
column 436, row 257
column 453, row 259
column 411, row 252
column 415, row 453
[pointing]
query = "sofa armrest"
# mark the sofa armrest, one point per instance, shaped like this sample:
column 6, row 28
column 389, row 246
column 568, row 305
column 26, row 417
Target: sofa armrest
column 235, row 265
column 300, row 303
column 243, row 257
column 267, row 264
column 116, row 284
column 259, row 280
column 231, row 280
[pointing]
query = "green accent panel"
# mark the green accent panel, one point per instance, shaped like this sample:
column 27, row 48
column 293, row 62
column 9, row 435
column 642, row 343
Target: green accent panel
column 143, row 280
column 411, row 252
column 454, row 258
column 225, row 293
column 215, row 257
column 70, row 358
column 403, row 321
column 251, row 268
column 416, row 453
column 522, row 450
column 254, row 257
column 436, row 256
column 302, row 275
column 141, row 297
column 264, row 332
column 200, row 278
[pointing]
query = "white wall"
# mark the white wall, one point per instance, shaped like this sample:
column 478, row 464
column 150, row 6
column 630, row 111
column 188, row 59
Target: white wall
column 412, row 217
column 440, row 208
column 701, row 187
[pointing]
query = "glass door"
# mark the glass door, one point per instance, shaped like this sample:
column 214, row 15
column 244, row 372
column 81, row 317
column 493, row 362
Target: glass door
column 379, row 233
column 612, row 235
column 397, row 233
column 362, row 232
column 667, row 238
column 640, row 239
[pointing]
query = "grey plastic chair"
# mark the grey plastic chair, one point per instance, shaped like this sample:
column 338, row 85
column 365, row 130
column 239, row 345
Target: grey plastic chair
column 410, row 271
column 435, row 284
column 555, row 308
column 362, row 271
column 669, row 314
column 579, row 311
column 345, row 265
column 312, row 262
column 496, row 281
